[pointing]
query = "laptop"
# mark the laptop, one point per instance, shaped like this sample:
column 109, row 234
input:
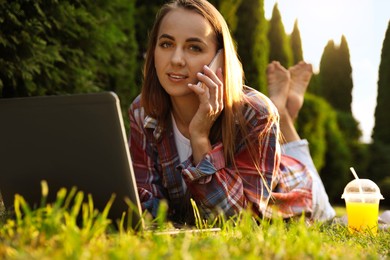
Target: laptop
column 68, row 141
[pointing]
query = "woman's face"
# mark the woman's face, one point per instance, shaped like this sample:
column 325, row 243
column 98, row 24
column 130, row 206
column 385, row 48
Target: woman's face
column 185, row 43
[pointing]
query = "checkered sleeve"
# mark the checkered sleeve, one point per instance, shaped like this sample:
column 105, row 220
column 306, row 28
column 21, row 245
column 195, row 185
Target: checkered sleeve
column 271, row 184
column 149, row 183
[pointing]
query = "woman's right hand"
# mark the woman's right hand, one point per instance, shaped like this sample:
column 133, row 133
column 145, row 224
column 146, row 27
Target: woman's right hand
column 210, row 94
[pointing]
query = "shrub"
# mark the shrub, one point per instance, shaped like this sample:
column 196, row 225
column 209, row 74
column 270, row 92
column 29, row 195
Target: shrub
column 56, row 47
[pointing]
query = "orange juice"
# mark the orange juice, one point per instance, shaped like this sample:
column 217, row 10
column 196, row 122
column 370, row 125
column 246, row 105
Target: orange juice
column 362, row 216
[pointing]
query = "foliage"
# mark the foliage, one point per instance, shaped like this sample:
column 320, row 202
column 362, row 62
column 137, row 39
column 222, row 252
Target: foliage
column 335, row 173
column 215, row 2
column 62, row 47
column 144, row 18
column 314, row 84
column 384, row 186
column 336, row 76
column 379, row 166
column 345, row 77
column 317, row 122
column 335, row 85
column 360, row 154
column 326, row 75
column 252, row 42
column 350, row 129
column 58, row 47
column 280, row 48
column 349, row 125
column 381, row 130
column 52, row 232
column 334, row 146
column 311, row 125
column 296, row 44
column 228, row 9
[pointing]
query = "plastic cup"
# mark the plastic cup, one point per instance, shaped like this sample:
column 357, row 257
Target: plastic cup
column 362, row 202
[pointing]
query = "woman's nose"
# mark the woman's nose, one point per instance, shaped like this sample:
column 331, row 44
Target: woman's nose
column 178, row 58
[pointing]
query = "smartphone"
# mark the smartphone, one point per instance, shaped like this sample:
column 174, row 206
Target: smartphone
column 216, row 62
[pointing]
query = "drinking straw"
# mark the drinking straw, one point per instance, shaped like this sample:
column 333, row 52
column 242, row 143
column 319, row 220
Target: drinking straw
column 357, row 178
column 354, row 173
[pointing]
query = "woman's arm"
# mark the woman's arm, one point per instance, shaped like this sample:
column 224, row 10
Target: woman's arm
column 267, row 185
column 219, row 187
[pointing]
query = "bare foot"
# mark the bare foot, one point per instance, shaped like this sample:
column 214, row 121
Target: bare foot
column 278, row 84
column 300, row 77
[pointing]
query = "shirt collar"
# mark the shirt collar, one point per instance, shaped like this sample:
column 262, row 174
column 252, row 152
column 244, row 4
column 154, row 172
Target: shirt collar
column 152, row 123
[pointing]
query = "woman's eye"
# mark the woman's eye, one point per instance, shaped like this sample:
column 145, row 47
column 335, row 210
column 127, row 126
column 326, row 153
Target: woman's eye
column 195, row 48
column 165, row 44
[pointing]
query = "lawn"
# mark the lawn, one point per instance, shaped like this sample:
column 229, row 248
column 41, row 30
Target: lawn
column 52, row 232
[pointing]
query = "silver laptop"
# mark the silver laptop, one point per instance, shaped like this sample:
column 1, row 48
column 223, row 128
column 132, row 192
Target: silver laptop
column 68, row 141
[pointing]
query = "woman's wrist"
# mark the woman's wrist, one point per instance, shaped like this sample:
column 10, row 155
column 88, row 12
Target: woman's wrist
column 200, row 147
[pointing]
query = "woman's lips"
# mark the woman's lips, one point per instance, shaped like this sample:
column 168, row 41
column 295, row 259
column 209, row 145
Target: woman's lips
column 177, row 77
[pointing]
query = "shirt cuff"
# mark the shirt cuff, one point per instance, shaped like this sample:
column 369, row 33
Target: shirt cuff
column 294, row 144
column 210, row 164
column 151, row 206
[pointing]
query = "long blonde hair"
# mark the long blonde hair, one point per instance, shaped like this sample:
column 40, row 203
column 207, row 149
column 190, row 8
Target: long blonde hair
column 156, row 101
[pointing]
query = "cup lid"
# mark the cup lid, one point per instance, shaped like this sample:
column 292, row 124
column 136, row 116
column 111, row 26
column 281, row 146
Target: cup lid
column 362, row 187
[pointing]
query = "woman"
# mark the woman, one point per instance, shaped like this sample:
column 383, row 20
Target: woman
column 217, row 143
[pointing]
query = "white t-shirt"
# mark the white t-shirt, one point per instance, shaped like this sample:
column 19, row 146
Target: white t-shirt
column 183, row 144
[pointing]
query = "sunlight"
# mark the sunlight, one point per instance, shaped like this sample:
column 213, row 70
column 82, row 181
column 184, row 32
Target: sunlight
column 320, row 21
column 327, row 18
column 362, row 22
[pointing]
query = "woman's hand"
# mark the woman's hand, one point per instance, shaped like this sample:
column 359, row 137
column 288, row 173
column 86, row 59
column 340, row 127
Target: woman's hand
column 210, row 94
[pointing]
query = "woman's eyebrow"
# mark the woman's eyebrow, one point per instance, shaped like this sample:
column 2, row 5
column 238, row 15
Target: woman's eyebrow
column 170, row 37
column 194, row 39
column 166, row 36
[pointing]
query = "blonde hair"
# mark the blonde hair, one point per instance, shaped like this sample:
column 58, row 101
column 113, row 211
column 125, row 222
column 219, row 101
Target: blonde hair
column 156, row 101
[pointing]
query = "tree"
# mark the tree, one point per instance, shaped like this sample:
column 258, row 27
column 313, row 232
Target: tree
column 311, row 124
column 335, row 173
column 381, row 131
column 379, row 166
column 345, row 77
column 55, row 47
column 336, row 76
column 144, row 19
column 122, row 67
column 228, row 9
column 296, row 44
column 215, row 2
column 314, row 85
column 326, row 77
column 317, row 122
column 280, row 49
column 335, row 85
column 252, row 42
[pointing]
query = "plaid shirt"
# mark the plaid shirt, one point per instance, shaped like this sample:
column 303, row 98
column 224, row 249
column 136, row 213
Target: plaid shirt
column 279, row 185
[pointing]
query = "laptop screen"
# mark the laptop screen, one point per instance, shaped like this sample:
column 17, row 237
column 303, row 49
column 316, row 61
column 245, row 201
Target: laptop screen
column 69, row 141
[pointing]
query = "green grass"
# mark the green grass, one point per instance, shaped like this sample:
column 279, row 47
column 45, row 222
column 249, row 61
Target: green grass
column 52, row 232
